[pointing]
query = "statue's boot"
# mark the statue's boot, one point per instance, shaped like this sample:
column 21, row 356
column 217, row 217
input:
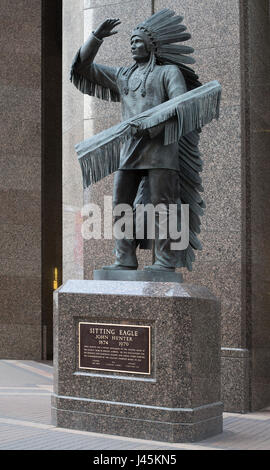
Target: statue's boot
column 125, row 251
column 159, row 267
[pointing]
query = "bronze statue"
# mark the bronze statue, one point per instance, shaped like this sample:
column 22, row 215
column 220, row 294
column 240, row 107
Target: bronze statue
column 156, row 161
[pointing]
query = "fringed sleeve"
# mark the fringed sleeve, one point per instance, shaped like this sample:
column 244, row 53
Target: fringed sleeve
column 94, row 79
column 175, row 85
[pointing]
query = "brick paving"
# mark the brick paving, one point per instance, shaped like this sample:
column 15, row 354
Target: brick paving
column 25, row 420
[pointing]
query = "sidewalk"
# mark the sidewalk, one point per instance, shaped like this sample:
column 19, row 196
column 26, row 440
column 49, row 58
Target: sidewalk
column 25, row 420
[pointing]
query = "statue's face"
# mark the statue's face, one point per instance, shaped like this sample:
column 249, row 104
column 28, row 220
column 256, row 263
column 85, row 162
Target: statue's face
column 138, row 49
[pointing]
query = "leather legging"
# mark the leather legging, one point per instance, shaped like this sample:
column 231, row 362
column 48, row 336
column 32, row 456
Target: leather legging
column 163, row 189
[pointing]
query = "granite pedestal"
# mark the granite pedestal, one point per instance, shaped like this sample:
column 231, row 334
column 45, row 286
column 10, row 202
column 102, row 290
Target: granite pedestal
column 161, row 384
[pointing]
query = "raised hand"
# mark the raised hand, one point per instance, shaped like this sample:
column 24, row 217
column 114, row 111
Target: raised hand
column 105, row 29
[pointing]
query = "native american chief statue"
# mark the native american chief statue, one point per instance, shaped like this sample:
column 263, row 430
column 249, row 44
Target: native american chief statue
column 154, row 151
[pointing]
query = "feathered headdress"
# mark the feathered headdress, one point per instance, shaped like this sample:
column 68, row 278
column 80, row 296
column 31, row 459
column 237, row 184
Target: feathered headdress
column 161, row 33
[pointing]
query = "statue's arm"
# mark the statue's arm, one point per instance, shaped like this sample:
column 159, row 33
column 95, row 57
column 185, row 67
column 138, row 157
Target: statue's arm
column 89, row 50
column 174, row 82
column 175, row 85
column 89, row 77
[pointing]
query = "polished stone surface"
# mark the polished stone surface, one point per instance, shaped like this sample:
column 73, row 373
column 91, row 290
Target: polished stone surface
column 180, row 400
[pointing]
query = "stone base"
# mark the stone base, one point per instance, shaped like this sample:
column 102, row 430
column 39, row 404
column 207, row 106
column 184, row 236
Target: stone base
column 178, row 399
column 136, row 275
column 124, row 419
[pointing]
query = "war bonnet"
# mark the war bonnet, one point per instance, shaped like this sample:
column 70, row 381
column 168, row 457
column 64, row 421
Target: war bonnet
column 161, row 33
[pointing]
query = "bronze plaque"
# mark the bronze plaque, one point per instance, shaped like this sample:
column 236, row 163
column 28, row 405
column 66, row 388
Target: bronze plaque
column 115, row 347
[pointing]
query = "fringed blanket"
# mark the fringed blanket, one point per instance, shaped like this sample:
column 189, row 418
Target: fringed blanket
column 99, row 156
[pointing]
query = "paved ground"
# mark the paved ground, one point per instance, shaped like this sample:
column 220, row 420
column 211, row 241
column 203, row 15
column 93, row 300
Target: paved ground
column 25, row 389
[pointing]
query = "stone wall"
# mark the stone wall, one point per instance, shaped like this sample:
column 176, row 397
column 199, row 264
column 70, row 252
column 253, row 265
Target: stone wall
column 20, row 180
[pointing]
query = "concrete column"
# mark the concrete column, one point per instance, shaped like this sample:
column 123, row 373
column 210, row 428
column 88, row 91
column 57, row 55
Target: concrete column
column 73, row 125
column 20, row 180
column 30, row 176
column 255, row 50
